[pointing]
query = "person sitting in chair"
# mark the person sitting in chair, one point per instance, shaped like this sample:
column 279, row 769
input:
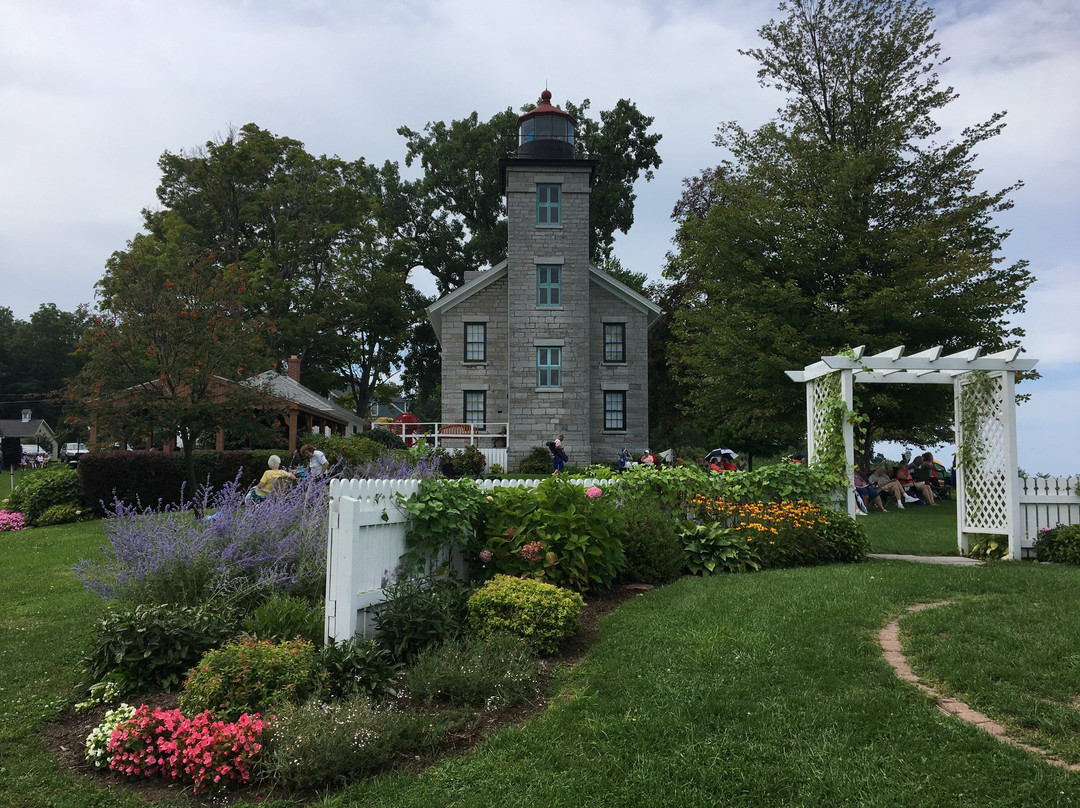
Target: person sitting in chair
column 919, row 488
column 270, row 481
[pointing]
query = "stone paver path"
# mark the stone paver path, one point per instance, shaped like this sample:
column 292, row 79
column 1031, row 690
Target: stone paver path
column 889, row 639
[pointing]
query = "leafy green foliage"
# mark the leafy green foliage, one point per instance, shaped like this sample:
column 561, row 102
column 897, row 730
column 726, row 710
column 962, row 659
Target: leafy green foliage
column 43, row 489
column 419, row 610
column 152, row 647
column 671, row 489
column 352, row 450
column 496, row 671
column 385, row 438
column 248, row 675
column 442, row 512
column 459, row 221
column 1059, row 545
column 359, row 667
column 717, row 548
column 172, row 326
column 541, row 613
column 845, row 538
column 61, row 515
column 781, row 481
column 161, row 477
column 555, row 533
column 537, row 461
column 286, row 617
column 36, row 358
column 842, row 222
column 469, row 462
column 653, row 544
column 990, row 547
column 314, row 745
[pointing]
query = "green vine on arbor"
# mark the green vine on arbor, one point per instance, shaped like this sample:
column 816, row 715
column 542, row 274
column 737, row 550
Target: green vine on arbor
column 977, row 389
column 830, row 453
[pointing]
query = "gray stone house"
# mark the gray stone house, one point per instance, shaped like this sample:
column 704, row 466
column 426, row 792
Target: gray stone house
column 545, row 342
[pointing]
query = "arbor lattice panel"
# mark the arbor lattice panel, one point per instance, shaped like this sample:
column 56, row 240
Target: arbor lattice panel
column 986, row 495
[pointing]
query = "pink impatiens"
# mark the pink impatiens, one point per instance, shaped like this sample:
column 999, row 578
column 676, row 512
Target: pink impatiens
column 164, row 743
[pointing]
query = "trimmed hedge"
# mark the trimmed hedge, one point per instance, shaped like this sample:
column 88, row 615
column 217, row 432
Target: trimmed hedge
column 147, row 477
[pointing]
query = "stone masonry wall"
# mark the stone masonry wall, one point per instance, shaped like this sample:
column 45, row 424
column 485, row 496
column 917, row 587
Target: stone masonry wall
column 486, row 306
column 630, row 377
column 540, row 414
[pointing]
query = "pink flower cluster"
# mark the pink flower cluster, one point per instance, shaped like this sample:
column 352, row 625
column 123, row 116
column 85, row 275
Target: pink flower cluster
column 486, row 556
column 594, row 493
column 531, row 551
column 11, row 521
column 166, row 744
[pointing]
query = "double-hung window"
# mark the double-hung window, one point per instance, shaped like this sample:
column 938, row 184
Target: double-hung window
column 614, row 342
column 548, row 205
column 549, row 367
column 475, row 407
column 548, row 285
column 614, row 409
column 475, row 342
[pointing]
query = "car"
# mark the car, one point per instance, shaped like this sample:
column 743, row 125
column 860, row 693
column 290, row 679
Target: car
column 73, row 451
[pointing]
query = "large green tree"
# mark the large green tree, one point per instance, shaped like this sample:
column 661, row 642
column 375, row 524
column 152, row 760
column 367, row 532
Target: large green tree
column 171, row 341
column 322, row 239
column 459, row 219
column 37, row 357
column 842, row 222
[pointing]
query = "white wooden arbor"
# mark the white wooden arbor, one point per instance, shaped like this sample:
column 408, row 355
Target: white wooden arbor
column 988, row 497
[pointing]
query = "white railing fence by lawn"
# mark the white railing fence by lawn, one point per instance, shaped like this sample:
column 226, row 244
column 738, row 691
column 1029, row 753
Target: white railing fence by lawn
column 365, row 544
column 1047, row 502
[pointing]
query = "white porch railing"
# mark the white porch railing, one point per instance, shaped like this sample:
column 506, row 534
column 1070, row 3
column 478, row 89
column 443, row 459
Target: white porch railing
column 490, row 438
column 1047, row 502
column 365, row 543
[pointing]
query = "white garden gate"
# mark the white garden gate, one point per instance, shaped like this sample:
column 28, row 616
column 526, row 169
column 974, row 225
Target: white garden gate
column 366, row 542
column 988, row 495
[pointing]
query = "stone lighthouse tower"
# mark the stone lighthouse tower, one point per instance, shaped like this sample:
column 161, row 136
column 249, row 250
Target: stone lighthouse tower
column 547, row 261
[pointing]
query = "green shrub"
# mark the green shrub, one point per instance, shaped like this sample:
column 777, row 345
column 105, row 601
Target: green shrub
column 715, row 548
column 152, row 477
column 315, row 745
column 537, row 461
column 152, row 647
column 286, row 617
column 352, row 450
column 989, row 546
column 42, row 489
column 469, row 462
column 248, row 675
column 420, row 610
column 499, row 670
column 60, row 515
column 784, row 481
column 653, row 545
column 1060, row 545
column 359, row 667
column 541, row 613
column 671, row 489
column 845, row 538
column 556, row 533
column 384, row 437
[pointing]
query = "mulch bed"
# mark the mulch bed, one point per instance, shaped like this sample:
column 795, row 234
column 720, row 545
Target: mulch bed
column 66, row 738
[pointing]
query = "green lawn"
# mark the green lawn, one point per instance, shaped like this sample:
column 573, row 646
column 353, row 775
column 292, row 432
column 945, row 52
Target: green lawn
column 756, row 689
column 916, row 530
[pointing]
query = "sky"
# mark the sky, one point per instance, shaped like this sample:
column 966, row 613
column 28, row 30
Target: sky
column 92, row 93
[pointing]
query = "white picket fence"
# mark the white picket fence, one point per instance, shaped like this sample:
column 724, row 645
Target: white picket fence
column 1047, row 502
column 365, row 544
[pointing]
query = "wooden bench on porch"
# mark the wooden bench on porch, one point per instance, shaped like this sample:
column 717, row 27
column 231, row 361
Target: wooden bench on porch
column 456, row 432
